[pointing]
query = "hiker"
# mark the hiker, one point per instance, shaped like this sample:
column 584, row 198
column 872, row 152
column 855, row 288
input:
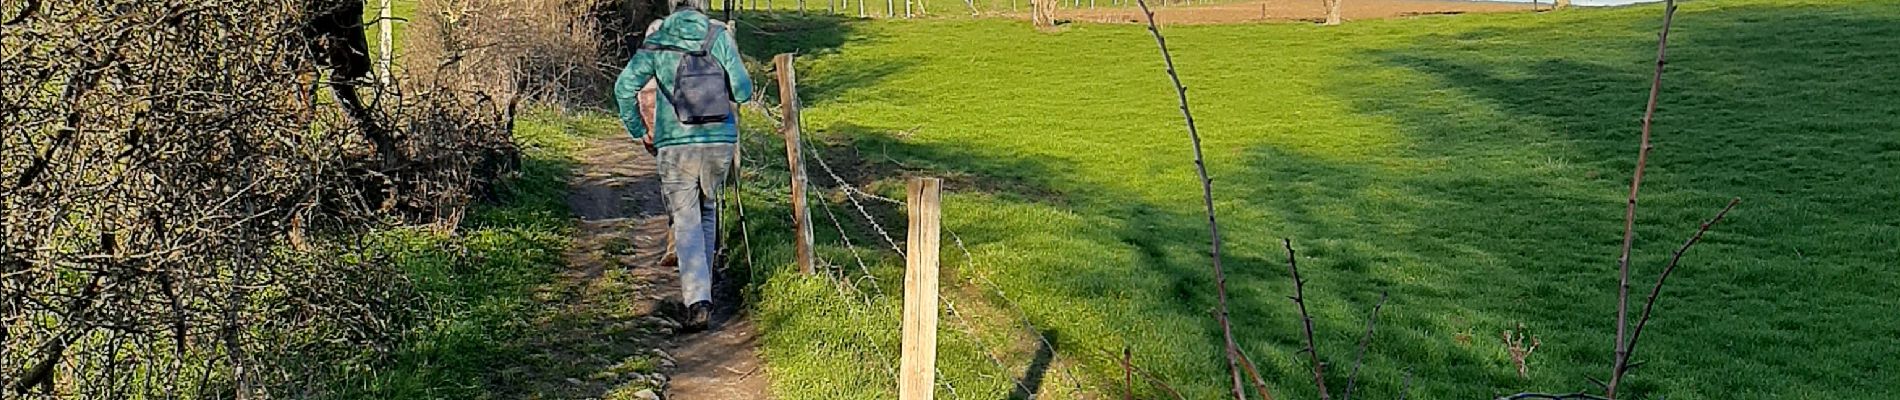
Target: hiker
column 695, row 64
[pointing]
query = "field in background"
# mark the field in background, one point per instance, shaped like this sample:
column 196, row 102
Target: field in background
column 1283, row 10
column 1472, row 166
column 1172, row 12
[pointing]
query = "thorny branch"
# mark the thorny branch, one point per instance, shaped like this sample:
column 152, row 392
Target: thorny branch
column 1253, row 372
column 1656, row 291
column 1207, row 196
column 1128, row 361
column 1128, row 373
column 1360, row 360
column 1636, row 182
column 1629, row 214
column 1299, row 298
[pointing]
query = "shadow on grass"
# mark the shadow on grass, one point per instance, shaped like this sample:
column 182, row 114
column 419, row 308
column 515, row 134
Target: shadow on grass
column 868, row 155
column 763, row 34
column 1528, row 156
column 1038, row 367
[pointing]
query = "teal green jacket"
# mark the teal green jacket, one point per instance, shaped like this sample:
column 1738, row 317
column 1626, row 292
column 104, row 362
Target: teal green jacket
column 685, row 29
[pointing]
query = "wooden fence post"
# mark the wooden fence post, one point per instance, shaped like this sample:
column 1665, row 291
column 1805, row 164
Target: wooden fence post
column 383, row 49
column 794, row 159
column 918, row 366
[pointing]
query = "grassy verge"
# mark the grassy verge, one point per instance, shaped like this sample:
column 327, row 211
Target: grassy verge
column 1473, row 166
column 496, row 326
column 480, row 283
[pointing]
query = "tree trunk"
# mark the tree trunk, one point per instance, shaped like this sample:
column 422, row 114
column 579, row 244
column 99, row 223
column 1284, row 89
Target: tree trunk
column 1332, row 12
column 383, row 42
column 1043, row 13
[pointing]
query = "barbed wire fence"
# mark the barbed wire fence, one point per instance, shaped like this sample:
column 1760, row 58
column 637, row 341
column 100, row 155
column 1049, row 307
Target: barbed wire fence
column 864, row 286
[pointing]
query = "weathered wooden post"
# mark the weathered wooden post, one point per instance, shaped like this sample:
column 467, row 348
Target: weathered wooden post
column 383, row 48
column 794, row 159
column 918, row 365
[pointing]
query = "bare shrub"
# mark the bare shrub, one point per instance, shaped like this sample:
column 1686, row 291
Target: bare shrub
column 154, row 164
column 544, row 51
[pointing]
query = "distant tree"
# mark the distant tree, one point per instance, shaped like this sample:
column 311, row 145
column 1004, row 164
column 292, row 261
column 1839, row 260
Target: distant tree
column 1332, row 12
column 1043, row 13
column 384, row 46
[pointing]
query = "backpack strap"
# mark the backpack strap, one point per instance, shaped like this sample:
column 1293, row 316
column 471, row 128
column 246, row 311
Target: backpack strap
column 713, row 31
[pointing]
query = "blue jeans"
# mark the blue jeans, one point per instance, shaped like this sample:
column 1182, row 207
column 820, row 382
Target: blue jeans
column 690, row 178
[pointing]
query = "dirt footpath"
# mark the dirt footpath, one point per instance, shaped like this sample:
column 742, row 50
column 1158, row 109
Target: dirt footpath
column 615, row 195
column 1285, row 10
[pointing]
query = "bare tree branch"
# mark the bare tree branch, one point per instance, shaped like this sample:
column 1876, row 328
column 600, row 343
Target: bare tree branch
column 130, row 160
column 32, row 6
column 1360, row 360
column 1629, row 214
column 1156, row 381
column 1259, row 384
column 1128, row 373
column 1656, row 291
column 1207, row 196
column 1299, row 298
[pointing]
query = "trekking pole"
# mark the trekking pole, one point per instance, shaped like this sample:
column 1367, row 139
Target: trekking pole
column 738, row 205
column 738, row 174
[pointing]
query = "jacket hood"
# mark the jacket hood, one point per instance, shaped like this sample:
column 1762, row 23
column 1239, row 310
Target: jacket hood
column 684, row 30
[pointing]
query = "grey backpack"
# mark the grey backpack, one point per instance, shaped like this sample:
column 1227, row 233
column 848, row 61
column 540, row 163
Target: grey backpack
column 700, row 93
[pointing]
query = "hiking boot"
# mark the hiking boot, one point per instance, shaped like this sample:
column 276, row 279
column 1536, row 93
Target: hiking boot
column 698, row 316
